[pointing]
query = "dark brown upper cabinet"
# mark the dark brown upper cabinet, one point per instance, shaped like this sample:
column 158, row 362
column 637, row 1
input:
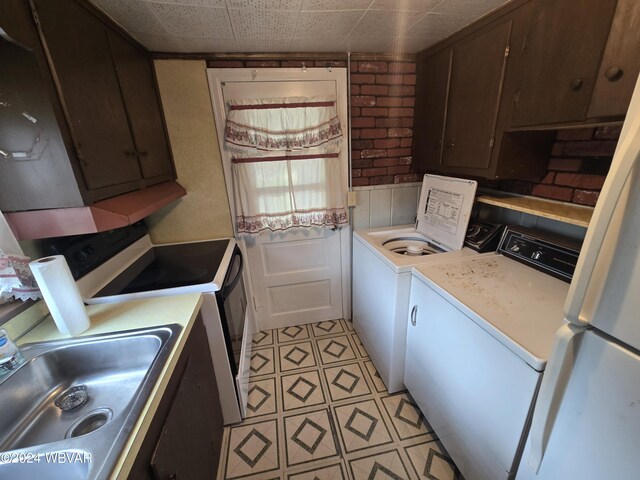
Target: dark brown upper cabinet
column 431, row 108
column 477, row 74
column 96, row 116
column 620, row 64
column 556, row 50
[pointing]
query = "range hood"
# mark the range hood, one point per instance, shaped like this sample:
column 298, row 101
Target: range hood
column 105, row 215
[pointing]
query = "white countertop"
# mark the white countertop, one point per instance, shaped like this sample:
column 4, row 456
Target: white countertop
column 521, row 307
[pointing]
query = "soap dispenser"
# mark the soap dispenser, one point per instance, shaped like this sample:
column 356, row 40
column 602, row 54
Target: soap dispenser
column 10, row 356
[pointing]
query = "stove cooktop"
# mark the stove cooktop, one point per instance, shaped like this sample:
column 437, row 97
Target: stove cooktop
column 169, row 266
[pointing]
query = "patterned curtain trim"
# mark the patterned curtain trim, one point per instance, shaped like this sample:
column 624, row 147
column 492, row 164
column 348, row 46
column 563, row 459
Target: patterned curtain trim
column 331, row 217
column 264, row 139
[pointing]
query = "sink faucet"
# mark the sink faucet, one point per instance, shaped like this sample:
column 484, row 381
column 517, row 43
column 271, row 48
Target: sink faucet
column 10, row 356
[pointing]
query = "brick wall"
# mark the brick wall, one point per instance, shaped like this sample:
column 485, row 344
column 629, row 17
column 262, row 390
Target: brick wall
column 579, row 163
column 382, row 102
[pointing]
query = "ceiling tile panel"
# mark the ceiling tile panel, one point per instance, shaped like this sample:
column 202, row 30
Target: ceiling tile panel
column 204, row 45
column 194, row 22
column 290, row 5
column 311, row 44
column 436, row 26
column 472, row 9
column 376, row 43
column 385, row 23
column 324, row 25
column 199, row 3
column 421, row 6
column 328, row 5
column 409, row 44
column 264, row 44
column 134, row 15
column 251, row 23
column 156, row 43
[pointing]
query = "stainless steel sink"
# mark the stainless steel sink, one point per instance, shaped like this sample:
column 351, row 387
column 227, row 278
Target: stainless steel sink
column 68, row 410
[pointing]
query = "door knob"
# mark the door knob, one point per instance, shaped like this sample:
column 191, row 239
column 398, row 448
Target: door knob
column 613, row 73
column 576, row 84
column 451, row 144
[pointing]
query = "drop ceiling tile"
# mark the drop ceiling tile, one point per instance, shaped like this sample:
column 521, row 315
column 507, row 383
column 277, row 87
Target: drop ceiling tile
column 199, row 3
column 410, row 44
column 192, row 21
column 251, row 23
column 436, row 26
column 156, row 43
column 385, row 23
column 310, row 44
column 369, row 43
column 264, row 44
column 329, row 5
column 327, row 24
column 290, row 5
column 206, row 45
column 422, row 6
column 132, row 16
column 473, row 9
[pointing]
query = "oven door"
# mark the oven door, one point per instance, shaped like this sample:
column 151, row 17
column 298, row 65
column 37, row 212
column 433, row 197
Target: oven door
column 236, row 325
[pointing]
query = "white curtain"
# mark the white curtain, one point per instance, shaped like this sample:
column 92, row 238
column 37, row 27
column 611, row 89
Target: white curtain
column 286, row 166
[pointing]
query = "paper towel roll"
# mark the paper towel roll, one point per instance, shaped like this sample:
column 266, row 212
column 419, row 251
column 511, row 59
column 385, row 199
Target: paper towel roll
column 61, row 294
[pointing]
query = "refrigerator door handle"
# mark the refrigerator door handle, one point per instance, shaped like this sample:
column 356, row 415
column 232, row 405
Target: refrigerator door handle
column 625, row 158
column 554, row 383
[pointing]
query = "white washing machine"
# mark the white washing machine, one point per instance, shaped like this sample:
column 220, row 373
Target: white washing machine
column 382, row 262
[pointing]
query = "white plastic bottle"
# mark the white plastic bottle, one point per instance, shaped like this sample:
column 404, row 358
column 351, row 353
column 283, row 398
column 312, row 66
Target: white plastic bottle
column 10, row 356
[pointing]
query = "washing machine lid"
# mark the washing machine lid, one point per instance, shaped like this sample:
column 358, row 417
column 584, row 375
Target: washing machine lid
column 444, row 209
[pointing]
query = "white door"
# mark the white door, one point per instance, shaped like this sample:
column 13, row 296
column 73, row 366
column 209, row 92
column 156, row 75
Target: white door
column 301, row 275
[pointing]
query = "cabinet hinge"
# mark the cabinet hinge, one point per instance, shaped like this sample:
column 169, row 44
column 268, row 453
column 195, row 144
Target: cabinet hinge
column 492, row 140
column 507, row 50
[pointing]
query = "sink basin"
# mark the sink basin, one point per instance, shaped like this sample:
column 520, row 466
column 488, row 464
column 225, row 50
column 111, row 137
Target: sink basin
column 68, row 410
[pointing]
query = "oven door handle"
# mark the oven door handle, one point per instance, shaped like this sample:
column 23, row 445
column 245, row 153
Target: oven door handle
column 226, row 289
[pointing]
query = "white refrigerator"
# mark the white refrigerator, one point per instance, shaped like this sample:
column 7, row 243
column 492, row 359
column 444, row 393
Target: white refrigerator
column 586, row 423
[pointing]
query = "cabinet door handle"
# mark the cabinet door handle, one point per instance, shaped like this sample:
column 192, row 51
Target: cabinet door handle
column 576, row 84
column 451, row 144
column 414, row 313
column 613, row 74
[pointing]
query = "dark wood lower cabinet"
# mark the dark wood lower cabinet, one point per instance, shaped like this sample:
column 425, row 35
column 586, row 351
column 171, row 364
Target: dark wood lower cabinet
column 185, row 437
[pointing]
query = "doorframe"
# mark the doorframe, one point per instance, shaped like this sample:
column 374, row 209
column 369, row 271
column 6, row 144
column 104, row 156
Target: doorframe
column 216, row 78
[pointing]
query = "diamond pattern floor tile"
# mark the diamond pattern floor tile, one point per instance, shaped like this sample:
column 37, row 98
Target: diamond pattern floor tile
column 303, row 425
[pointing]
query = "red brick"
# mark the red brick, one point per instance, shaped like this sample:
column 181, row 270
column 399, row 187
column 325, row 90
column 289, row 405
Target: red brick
column 401, row 112
column 385, row 162
column 404, row 161
column 402, row 91
column 385, row 180
column 399, row 152
column 363, row 122
column 399, row 169
column 565, row 164
column 373, row 153
column 372, row 172
column 355, row 111
column 225, row 64
column 598, row 148
column 372, row 67
column 353, row 68
column 363, row 101
column 389, row 79
column 548, row 178
column 408, row 102
column 374, row 112
column 355, row 89
column 373, row 133
column 292, row 63
column 409, row 80
column 558, row 149
column 363, row 78
column 355, row 154
column 585, row 197
column 387, row 143
column 409, row 177
column 403, row 67
column 375, row 90
column 362, row 144
column 400, row 132
column 360, row 182
column 551, row 191
column 577, row 180
column 358, row 163
column 575, row 134
column 355, row 134
column 388, row 122
column 330, row 63
column 406, row 142
column 356, row 172
column 407, row 122
column 389, row 102
column 611, row 132
column 262, row 64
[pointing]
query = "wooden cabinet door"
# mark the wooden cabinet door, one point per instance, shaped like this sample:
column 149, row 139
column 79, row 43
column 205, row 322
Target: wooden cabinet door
column 81, row 61
column 477, row 73
column 556, row 49
column 620, row 64
column 431, row 105
column 138, row 87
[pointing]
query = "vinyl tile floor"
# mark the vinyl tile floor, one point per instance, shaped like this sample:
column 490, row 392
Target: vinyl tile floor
column 318, row 410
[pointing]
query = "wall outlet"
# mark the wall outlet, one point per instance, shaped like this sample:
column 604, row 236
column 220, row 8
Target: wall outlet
column 352, row 199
